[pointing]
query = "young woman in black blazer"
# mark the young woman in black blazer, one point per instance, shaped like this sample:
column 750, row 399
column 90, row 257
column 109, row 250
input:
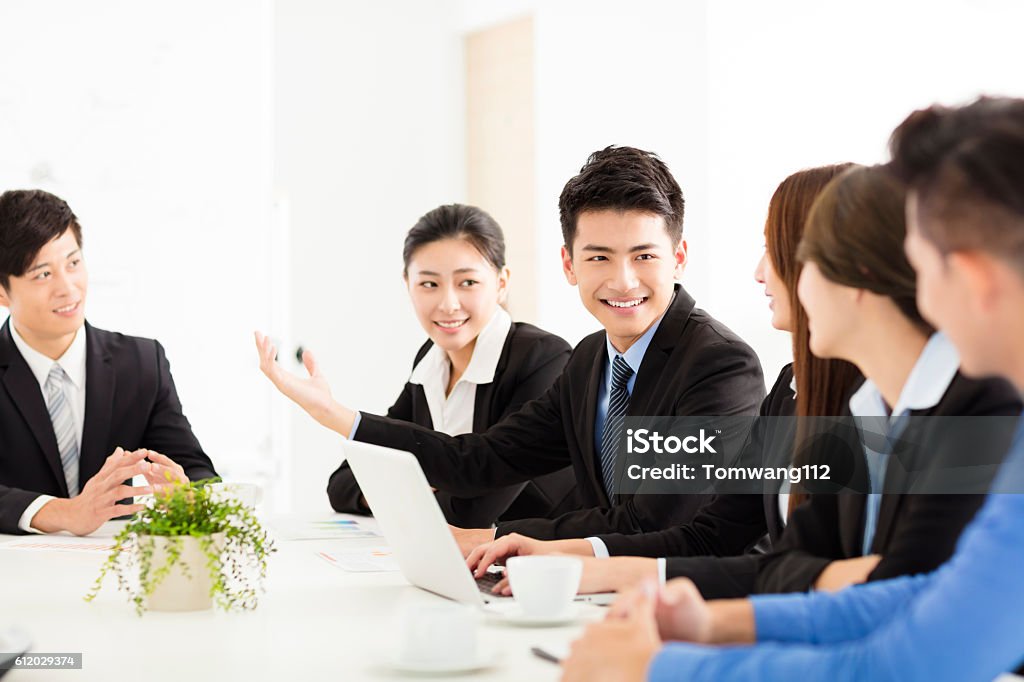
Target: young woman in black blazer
column 731, row 525
column 477, row 366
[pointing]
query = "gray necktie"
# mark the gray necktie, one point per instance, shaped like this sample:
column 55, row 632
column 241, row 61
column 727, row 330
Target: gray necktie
column 57, row 405
column 618, row 402
column 878, row 463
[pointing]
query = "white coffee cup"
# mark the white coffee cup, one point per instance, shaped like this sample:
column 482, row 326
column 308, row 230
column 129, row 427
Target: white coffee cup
column 544, row 586
column 438, row 634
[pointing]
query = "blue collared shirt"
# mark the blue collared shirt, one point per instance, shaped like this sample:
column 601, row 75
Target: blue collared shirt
column 961, row 622
column 633, row 356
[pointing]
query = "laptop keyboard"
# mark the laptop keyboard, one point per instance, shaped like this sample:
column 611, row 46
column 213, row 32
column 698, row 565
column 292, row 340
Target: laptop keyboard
column 488, row 581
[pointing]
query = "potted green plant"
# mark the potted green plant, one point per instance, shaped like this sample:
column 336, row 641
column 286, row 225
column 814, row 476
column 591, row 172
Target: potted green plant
column 193, row 546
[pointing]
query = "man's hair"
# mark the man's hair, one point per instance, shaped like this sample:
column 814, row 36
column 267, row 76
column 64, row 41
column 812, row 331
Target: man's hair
column 29, row 220
column 622, row 179
column 966, row 167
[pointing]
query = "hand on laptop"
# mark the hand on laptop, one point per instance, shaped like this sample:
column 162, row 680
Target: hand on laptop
column 599, row 575
column 485, row 555
column 469, row 539
column 617, row 648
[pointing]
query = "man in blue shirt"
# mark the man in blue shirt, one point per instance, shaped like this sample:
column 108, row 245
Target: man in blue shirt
column 965, row 621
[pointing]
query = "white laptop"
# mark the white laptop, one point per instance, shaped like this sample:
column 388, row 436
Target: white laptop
column 414, row 525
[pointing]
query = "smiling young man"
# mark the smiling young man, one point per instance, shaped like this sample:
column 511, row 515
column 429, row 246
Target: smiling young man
column 658, row 355
column 82, row 410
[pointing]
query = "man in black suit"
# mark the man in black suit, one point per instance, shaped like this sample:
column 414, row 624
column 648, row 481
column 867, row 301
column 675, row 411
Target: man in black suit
column 82, row 410
column 658, row 355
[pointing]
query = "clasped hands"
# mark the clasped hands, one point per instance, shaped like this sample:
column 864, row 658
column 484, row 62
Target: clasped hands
column 97, row 503
column 622, row 646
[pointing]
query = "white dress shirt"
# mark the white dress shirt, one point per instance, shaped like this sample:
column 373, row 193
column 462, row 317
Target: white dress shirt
column 73, row 364
column 927, row 382
column 453, row 413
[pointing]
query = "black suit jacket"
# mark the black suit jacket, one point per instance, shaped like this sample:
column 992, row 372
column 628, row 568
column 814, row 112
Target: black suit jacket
column 729, row 526
column 916, row 533
column 531, row 359
column 130, row 401
column 693, row 366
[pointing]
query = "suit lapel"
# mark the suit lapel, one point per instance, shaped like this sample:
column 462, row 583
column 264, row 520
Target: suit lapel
column 895, row 479
column 482, row 407
column 100, row 383
column 886, row 516
column 589, row 421
column 644, row 401
column 421, row 410
column 773, row 516
column 851, row 508
column 484, row 400
column 24, row 390
column 645, row 388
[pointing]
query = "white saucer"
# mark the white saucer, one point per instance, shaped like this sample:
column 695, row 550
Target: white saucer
column 512, row 614
column 485, row 658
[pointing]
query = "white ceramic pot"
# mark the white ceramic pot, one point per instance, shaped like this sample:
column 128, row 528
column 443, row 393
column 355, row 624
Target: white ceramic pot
column 181, row 591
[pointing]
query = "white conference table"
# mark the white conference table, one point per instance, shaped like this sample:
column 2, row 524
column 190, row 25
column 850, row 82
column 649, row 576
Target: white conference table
column 315, row 622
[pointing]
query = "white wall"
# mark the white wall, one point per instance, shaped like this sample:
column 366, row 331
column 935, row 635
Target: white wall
column 159, row 139
column 735, row 95
column 803, row 83
column 369, row 136
column 608, row 73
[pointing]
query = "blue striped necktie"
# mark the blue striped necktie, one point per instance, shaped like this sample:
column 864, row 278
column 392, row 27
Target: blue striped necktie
column 63, row 425
column 618, row 402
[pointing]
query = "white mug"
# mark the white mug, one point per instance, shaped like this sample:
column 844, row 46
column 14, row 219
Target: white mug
column 544, row 586
column 438, row 634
